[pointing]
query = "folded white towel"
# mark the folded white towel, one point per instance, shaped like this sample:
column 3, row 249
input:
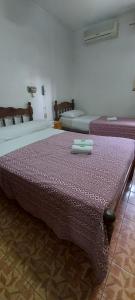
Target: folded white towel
column 81, row 149
column 112, row 118
column 82, row 142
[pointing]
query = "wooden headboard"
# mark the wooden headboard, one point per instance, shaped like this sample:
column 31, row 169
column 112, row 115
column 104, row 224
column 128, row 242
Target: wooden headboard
column 13, row 112
column 59, row 108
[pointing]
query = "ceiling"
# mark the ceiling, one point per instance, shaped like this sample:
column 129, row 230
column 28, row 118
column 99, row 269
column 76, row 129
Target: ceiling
column 79, row 13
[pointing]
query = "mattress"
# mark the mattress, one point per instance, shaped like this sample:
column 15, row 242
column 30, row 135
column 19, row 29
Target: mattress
column 69, row 192
column 122, row 127
column 14, row 131
column 17, row 143
column 81, row 123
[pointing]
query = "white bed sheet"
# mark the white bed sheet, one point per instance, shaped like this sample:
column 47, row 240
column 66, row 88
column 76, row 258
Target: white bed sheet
column 79, row 123
column 28, row 139
column 19, row 130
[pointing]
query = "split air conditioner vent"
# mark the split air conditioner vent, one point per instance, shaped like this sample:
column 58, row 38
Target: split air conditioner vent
column 105, row 30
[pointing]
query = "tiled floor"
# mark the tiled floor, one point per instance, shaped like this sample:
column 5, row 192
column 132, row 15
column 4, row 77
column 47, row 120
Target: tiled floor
column 35, row 265
column 120, row 281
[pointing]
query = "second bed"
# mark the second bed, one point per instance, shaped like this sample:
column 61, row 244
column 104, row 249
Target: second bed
column 78, row 121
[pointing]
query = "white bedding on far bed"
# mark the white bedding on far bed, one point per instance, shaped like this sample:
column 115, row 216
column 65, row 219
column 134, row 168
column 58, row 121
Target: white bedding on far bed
column 79, row 123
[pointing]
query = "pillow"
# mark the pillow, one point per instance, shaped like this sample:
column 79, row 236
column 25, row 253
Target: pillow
column 72, row 114
column 22, row 129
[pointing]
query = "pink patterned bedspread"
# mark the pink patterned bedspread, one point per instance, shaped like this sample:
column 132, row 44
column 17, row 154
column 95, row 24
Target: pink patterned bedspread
column 70, row 192
column 123, row 127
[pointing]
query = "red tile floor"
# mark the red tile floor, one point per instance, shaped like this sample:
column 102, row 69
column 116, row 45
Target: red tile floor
column 29, row 271
column 120, row 281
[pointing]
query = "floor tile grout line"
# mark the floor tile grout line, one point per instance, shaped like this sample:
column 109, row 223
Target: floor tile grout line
column 129, row 220
column 115, row 246
column 119, row 233
column 115, row 250
column 29, row 282
column 122, row 217
column 131, row 203
column 36, row 291
column 112, row 262
column 124, row 269
column 22, row 274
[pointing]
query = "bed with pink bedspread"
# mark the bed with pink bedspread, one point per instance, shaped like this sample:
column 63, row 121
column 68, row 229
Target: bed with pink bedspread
column 70, row 192
column 122, row 127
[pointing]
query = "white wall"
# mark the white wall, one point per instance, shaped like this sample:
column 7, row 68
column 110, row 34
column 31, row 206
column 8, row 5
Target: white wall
column 104, row 73
column 34, row 50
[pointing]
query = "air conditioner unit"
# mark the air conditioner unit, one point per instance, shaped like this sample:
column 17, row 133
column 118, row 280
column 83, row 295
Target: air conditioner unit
column 105, row 30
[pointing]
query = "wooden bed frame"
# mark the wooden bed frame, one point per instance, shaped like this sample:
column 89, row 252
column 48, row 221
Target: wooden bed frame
column 109, row 215
column 13, row 112
column 59, row 108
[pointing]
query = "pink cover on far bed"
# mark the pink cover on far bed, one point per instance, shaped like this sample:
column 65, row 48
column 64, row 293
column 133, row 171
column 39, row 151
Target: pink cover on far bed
column 123, row 127
column 70, row 192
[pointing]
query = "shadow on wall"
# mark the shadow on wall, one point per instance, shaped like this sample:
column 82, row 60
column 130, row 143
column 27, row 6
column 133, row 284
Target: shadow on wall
column 17, row 11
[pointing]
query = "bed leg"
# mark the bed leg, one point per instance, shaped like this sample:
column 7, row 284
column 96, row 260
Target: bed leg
column 30, row 110
column 109, row 219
